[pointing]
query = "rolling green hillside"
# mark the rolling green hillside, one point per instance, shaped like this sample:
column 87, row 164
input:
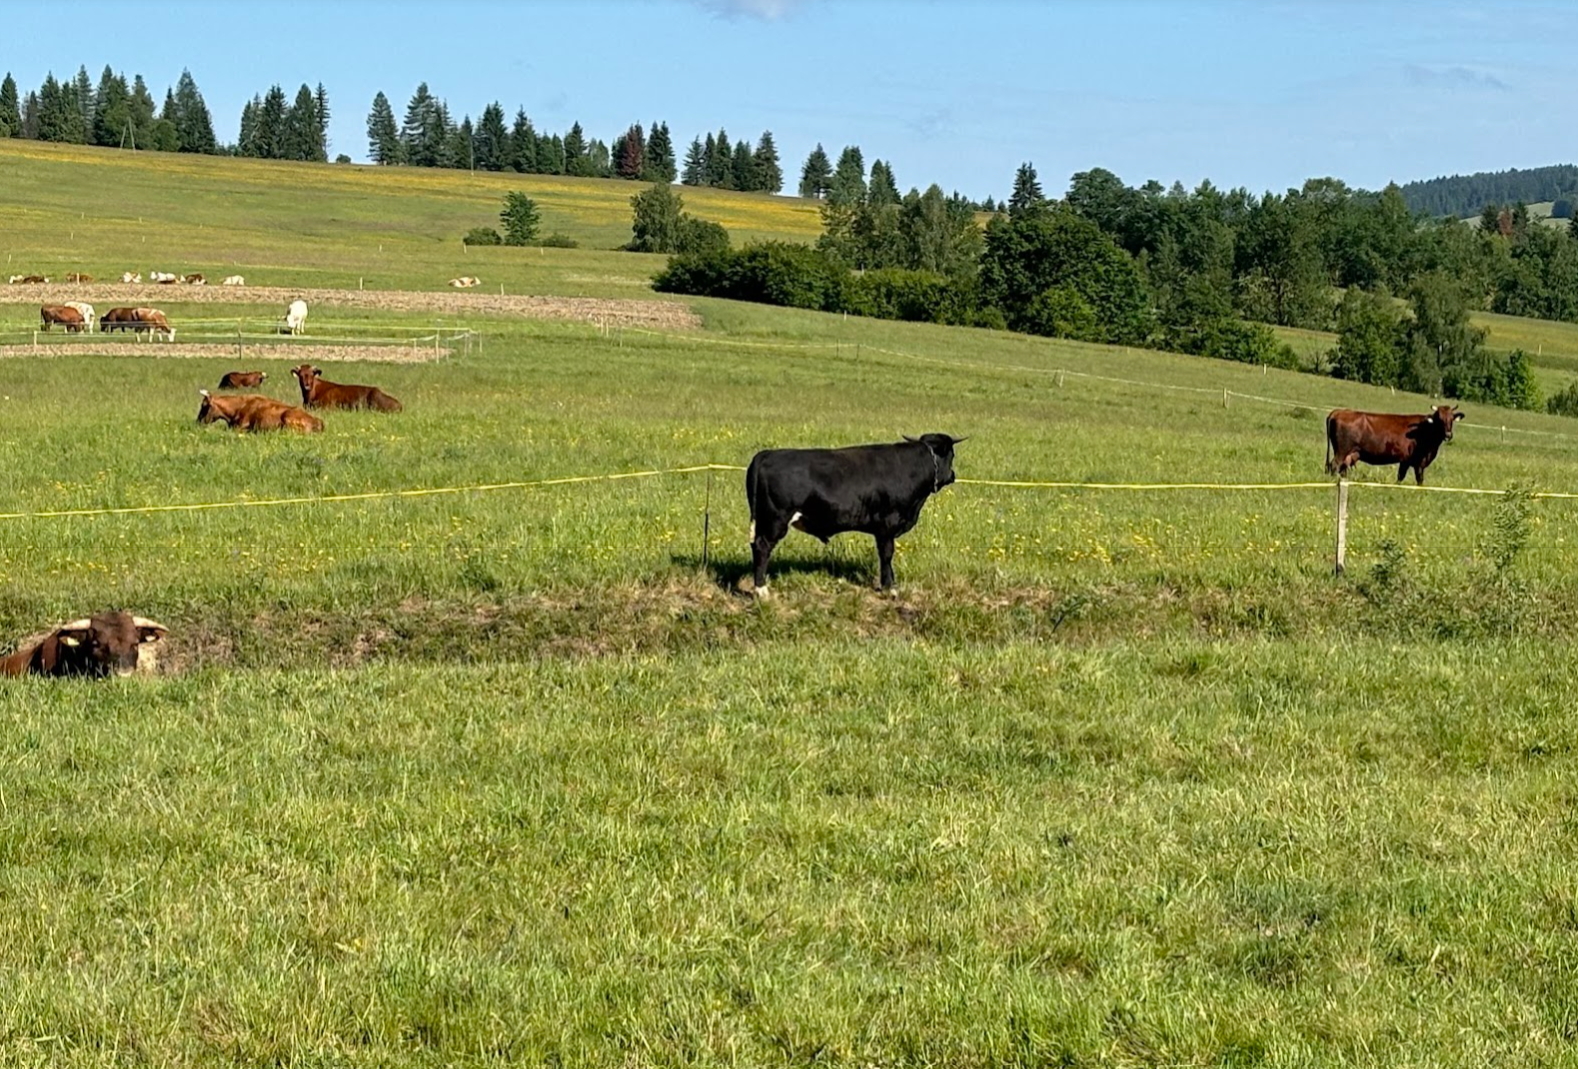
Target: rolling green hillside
column 102, row 211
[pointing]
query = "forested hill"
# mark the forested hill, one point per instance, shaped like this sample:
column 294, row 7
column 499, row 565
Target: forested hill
column 1464, row 195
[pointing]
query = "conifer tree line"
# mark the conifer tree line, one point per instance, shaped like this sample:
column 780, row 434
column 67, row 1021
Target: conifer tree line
column 274, row 130
column 113, row 113
column 428, row 136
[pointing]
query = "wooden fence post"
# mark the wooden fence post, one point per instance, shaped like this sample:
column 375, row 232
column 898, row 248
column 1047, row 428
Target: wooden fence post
column 1342, row 526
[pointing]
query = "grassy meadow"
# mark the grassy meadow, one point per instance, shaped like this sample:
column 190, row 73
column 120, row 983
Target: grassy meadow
column 515, row 776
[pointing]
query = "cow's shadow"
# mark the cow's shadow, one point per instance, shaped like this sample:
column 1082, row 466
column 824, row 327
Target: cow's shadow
column 728, row 571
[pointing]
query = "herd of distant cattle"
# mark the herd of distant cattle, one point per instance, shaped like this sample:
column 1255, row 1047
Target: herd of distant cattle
column 876, row 489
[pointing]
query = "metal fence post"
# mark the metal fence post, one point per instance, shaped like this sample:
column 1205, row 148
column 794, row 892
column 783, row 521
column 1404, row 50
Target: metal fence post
column 1342, row 526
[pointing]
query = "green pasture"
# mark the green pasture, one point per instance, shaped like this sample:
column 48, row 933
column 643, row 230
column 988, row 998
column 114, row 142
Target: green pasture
column 515, row 776
column 104, row 211
column 846, row 853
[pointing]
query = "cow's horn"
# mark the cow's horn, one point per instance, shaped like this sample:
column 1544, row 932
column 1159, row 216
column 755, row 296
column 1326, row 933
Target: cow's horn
column 956, row 441
column 76, row 625
column 203, row 392
column 907, row 438
column 143, row 621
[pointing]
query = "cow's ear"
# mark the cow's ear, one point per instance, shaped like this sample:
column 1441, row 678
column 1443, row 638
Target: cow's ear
column 149, row 630
column 318, row 371
column 72, row 636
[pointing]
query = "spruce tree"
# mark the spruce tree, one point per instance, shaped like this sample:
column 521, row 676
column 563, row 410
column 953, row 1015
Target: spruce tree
column 246, row 137
column 422, row 141
column 53, row 120
column 695, row 173
column 883, row 188
column 848, row 186
column 10, row 108
column 1027, row 191
column 550, row 155
column 193, row 124
column 320, row 103
column 30, row 116
column 769, row 173
column 630, row 159
column 271, row 136
column 383, row 137
column 142, row 109
column 439, row 136
column 659, row 162
column 490, row 142
column 599, row 161
column 83, row 88
column 720, row 162
column 574, row 147
column 112, row 109
column 523, row 144
column 463, row 146
column 817, row 174
column 744, row 169
column 300, row 137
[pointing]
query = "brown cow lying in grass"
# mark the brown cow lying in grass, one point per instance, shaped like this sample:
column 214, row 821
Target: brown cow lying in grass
column 242, row 380
column 254, row 412
column 318, row 392
column 107, row 643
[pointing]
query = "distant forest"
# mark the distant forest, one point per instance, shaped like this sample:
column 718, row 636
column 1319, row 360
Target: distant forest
column 1465, row 195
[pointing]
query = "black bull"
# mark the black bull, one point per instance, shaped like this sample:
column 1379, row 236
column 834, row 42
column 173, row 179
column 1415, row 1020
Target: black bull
column 873, row 489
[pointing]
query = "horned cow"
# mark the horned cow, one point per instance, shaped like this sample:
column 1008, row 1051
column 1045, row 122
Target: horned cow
column 874, row 489
column 318, row 392
column 254, row 412
column 1387, row 438
column 106, row 643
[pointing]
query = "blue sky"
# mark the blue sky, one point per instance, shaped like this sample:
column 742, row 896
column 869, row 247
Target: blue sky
column 1244, row 93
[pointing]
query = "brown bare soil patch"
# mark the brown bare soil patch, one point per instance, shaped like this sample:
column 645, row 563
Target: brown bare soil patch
column 316, row 354
column 655, row 314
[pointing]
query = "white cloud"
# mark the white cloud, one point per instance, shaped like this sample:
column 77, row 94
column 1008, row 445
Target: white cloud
column 765, row 10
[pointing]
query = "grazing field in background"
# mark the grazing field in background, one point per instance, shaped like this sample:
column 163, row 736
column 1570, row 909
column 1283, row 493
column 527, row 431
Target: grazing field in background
column 1115, row 777
column 103, row 211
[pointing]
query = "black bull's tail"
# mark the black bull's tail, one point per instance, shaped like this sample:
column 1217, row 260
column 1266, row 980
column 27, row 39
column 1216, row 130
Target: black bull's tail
column 750, row 493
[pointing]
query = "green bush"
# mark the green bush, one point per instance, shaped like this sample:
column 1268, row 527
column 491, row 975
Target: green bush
column 773, row 272
column 700, row 236
column 482, row 235
column 1493, row 380
column 557, row 240
column 1564, row 402
column 914, row 296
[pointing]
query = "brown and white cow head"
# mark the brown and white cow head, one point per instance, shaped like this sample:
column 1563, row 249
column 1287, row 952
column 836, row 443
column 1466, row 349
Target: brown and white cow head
column 107, row 643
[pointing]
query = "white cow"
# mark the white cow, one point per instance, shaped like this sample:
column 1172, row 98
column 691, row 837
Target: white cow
column 88, row 320
column 127, row 276
column 465, row 282
column 165, row 277
column 233, row 280
column 296, row 317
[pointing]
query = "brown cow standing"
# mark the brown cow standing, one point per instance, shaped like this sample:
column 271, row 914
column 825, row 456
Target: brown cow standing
column 317, row 392
column 108, row 642
column 1385, row 438
column 254, row 412
column 70, row 318
column 138, row 320
column 242, row 380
